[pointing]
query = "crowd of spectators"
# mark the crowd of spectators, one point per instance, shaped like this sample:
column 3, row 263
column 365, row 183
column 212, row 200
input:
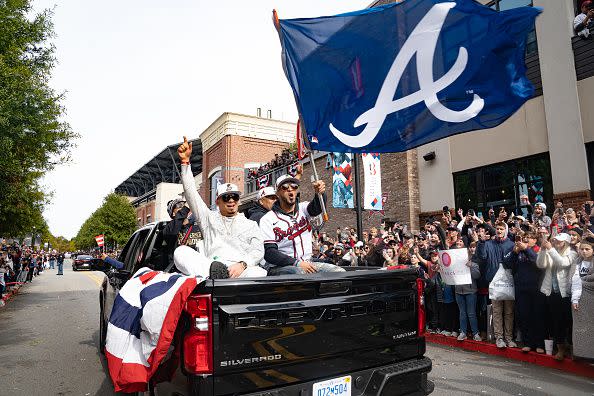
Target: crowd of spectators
column 287, row 157
column 550, row 258
column 20, row 265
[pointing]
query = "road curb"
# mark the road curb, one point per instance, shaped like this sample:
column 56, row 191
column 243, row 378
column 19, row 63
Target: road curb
column 11, row 293
column 577, row 367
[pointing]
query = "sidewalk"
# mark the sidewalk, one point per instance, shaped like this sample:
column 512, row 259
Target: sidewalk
column 577, row 367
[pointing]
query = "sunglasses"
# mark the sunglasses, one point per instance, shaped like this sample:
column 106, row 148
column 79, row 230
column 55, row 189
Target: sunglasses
column 229, row 197
column 292, row 186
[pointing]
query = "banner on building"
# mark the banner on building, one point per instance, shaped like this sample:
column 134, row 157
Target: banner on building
column 372, row 198
column 453, row 268
column 37, row 241
column 263, row 181
column 28, row 240
column 100, row 240
column 342, row 181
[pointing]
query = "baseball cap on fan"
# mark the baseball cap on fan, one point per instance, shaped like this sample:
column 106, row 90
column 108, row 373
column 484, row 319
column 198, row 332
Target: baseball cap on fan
column 286, row 179
column 227, row 188
column 266, row 192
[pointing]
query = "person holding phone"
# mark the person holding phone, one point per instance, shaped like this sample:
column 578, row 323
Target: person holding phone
column 539, row 217
column 530, row 302
column 557, row 259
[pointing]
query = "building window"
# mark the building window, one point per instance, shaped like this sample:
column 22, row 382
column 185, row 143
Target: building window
column 215, row 180
column 500, row 185
column 502, row 5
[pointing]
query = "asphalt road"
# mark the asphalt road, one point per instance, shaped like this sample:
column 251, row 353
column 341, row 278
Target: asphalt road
column 49, row 334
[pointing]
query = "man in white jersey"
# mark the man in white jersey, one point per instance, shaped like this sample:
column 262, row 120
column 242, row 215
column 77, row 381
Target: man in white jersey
column 229, row 237
column 287, row 231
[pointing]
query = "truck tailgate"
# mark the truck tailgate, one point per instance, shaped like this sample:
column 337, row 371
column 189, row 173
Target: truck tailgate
column 276, row 331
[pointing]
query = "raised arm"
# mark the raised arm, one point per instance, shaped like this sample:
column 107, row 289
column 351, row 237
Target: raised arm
column 195, row 202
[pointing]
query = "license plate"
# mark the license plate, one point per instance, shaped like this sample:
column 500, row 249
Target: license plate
column 333, row 387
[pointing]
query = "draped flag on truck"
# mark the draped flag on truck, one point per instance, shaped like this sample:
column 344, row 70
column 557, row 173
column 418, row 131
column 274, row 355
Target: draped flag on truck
column 141, row 326
column 342, row 181
column 372, row 197
column 397, row 76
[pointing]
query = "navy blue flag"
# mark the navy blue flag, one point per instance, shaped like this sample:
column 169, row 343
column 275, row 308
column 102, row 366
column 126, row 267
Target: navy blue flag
column 394, row 77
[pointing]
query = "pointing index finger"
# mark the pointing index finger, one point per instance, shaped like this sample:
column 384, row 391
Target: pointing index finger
column 185, row 140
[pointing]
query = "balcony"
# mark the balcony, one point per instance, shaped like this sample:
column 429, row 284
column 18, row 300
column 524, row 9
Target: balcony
column 583, row 55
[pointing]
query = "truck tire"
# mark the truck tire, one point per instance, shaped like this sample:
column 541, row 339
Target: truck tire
column 102, row 326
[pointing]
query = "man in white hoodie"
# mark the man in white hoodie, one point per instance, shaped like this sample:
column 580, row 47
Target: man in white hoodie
column 229, row 237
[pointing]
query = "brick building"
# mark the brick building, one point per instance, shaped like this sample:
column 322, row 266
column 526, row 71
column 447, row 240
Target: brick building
column 234, row 143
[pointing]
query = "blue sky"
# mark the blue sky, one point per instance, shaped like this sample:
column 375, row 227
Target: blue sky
column 140, row 74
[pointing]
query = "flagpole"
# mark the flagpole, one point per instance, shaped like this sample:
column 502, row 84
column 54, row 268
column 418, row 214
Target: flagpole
column 320, row 197
column 357, row 192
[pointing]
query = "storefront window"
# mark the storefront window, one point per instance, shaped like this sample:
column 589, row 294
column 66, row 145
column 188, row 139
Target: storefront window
column 500, row 185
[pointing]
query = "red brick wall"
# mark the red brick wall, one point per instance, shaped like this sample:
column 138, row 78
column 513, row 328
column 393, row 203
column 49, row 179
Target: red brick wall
column 572, row 200
column 143, row 211
column 399, row 181
column 232, row 153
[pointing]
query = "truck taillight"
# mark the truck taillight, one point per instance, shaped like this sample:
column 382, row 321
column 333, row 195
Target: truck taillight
column 420, row 308
column 198, row 340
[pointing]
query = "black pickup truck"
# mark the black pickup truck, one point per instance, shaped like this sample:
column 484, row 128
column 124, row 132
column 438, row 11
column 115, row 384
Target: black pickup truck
column 359, row 332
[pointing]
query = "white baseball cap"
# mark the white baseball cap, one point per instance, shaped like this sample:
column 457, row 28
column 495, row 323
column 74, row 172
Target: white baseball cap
column 265, row 192
column 286, row 179
column 563, row 237
column 227, row 188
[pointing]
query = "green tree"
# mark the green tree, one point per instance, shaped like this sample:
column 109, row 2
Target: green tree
column 33, row 137
column 116, row 219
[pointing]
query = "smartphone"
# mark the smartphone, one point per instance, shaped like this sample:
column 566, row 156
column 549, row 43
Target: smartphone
column 480, row 215
column 587, row 209
column 471, row 212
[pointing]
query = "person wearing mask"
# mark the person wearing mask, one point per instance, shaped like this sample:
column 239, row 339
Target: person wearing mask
column 466, row 299
column 530, row 302
column 582, row 299
column 492, row 252
column 583, row 24
column 557, row 259
column 287, row 230
column 182, row 229
column 229, row 237
column 266, row 199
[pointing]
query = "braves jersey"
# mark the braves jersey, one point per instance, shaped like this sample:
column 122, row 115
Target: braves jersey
column 292, row 234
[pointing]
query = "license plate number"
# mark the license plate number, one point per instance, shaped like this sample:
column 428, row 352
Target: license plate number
column 333, row 387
